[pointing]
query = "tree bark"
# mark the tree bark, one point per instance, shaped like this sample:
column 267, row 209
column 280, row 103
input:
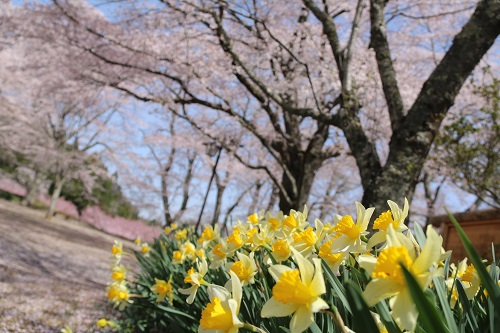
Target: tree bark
column 412, row 140
column 303, row 166
column 32, row 190
column 218, row 201
column 55, row 195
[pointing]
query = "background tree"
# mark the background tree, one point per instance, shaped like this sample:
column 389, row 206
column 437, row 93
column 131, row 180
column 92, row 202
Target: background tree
column 302, row 82
column 469, row 147
column 54, row 119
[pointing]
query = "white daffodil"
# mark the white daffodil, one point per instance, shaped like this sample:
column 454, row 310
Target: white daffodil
column 281, row 250
column 388, row 279
column 187, row 250
column 244, row 268
column 394, row 217
column 208, row 235
column 163, row 289
column 221, row 314
column 274, row 222
column 294, row 221
column 349, row 234
column 296, row 292
column 304, row 241
column 467, row 276
column 218, row 254
column 195, row 279
column 333, row 260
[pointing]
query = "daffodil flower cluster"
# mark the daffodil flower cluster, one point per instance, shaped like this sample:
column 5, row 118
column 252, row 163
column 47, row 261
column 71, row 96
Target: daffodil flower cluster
column 118, row 292
column 272, row 268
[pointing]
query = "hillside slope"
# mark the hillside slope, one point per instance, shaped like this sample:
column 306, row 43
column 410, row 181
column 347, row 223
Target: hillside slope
column 51, row 273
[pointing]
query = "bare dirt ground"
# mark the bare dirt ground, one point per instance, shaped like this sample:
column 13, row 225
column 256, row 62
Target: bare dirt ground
column 51, row 273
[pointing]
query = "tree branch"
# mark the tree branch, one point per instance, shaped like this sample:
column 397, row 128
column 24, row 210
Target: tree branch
column 379, row 43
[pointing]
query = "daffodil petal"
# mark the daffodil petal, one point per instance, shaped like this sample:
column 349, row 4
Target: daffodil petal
column 218, row 291
column 392, row 238
column 407, row 241
column 192, row 296
column 274, row 308
column 234, row 307
column 379, row 289
column 377, row 238
column 318, row 282
column 277, row 270
column 341, row 244
column 363, row 216
column 301, row 320
column 430, row 253
column 305, row 267
column 367, row 262
column 318, row 304
column 404, row 310
column 236, row 289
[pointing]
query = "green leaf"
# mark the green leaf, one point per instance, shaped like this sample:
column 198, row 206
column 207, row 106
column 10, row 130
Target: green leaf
column 315, row 328
column 466, row 306
column 486, row 280
column 445, row 305
column 428, row 313
column 336, row 285
column 419, row 234
column 364, row 321
column 174, row 311
column 386, row 318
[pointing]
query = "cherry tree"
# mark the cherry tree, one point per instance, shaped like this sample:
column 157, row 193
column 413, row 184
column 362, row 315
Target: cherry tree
column 304, row 82
column 163, row 157
column 53, row 120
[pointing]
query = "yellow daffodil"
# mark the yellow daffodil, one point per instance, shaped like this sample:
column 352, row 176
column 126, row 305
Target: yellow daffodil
column 281, row 250
column 244, row 268
column 117, row 250
column 274, row 222
column 221, row 314
column 118, row 294
column 295, row 220
column 119, row 273
column 187, row 250
column 163, row 289
column 467, row 276
column 305, row 241
column 254, row 218
column 181, row 235
column 234, row 241
column 264, row 237
column 101, row 323
column 209, row 234
column 395, row 217
column 333, row 260
column 137, row 241
column 349, row 234
column 388, row 279
column 218, row 255
column 66, row 329
column 296, row 292
column 195, row 279
column 145, row 249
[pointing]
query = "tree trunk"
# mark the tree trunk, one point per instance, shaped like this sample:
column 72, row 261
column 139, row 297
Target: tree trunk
column 55, row 195
column 303, row 165
column 218, row 200
column 303, row 171
column 412, row 139
column 32, row 190
column 166, row 204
